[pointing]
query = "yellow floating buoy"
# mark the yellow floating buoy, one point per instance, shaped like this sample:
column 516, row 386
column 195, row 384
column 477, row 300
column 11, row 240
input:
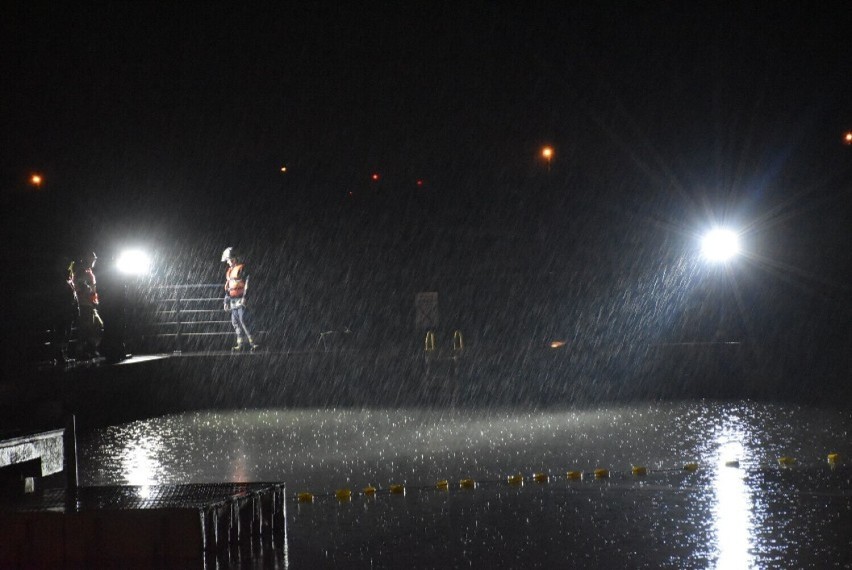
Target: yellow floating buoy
column 343, row 494
column 786, row 461
column 639, row 471
column 833, row 458
column 690, row 467
column 443, row 484
column 540, row 477
column 305, row 497
column 397, row 489
column 601, row 473
column 369, row 490
column 574, row 475
column 516, row 479
column 467, row 483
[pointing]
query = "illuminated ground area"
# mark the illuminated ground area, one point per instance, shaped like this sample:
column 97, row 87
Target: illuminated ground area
column 741, row 508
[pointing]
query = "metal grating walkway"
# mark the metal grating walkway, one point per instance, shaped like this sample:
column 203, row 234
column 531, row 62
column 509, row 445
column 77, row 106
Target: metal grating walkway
column 148, row 524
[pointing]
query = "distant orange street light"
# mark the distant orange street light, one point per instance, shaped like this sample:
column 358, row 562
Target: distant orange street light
column 283, row 169
column 547, row 155
column 36, row 180
column 847, row 138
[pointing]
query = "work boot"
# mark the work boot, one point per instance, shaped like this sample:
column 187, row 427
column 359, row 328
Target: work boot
column 237, row 347
column 252, row 345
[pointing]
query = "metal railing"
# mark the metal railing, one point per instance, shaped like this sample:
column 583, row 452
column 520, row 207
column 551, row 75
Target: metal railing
column 182, row 317
column 430, row 346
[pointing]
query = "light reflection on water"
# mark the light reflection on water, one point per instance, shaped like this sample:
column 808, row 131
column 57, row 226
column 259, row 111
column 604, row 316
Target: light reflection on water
column 141, row 460
column 723, row 516
column 733, row 511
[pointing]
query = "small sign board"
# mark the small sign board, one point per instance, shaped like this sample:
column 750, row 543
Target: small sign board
column 426, row 310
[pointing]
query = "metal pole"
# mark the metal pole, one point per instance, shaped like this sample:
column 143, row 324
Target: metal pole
column 69, row 442
column 178, row 303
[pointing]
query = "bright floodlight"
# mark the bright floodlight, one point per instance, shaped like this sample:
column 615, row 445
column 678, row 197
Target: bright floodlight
column 134, row 262
column 720, row 245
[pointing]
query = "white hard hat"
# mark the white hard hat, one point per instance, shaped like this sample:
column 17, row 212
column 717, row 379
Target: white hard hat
column 229, row 253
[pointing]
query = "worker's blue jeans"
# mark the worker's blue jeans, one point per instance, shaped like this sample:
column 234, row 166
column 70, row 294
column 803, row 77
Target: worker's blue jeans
column 240, row 320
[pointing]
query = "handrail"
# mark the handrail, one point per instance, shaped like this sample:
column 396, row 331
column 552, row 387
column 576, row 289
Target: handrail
column 458, row 341
column 430, row 341
column 188, row 286
column 180, row 311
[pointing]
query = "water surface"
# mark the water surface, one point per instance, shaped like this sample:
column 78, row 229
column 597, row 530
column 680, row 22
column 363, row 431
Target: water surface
column 741, row 508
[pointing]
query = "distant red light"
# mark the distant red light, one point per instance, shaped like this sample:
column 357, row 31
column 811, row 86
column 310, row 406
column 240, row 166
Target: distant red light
column 375, row 176
column 420, row 183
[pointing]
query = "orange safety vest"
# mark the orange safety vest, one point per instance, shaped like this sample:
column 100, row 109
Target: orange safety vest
column 89, row 294
column 235, row 285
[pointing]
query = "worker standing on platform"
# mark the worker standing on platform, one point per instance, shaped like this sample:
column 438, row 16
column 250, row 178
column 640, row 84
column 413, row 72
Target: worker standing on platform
column 236, row 286
column 90, row 324
column 66, row 312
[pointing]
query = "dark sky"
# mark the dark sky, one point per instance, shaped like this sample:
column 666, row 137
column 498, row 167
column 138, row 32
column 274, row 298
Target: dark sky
column 177, row 118
column 204, row 97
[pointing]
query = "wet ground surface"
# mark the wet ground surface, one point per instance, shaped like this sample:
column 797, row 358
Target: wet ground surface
column 767, row 491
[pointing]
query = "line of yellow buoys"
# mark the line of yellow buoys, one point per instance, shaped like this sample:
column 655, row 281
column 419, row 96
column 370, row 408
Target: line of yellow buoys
column 343, row 495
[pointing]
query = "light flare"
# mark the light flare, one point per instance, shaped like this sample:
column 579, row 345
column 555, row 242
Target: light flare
column 134, row 262
column 720, row 244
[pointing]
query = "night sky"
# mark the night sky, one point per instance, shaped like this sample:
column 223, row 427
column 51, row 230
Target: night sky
column 169, row 124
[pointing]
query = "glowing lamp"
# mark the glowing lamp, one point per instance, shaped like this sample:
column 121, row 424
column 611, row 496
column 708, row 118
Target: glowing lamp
column 134, row 262
column 720, row 244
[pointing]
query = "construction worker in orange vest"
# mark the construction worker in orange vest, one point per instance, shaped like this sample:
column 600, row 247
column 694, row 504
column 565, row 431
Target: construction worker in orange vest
column 236, row 285
column 90, row 324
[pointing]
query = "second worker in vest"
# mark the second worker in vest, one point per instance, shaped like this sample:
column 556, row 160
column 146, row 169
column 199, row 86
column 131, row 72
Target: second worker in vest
column 90, row 324
column 236, row 285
